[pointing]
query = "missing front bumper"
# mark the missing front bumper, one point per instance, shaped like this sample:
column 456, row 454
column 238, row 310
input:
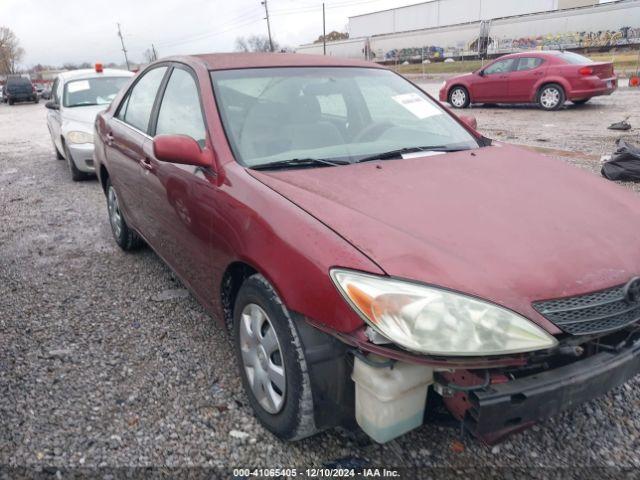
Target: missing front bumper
column 516, row 404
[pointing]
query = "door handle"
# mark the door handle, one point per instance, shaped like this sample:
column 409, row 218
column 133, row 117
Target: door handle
column 146, row 163
column 109, row 137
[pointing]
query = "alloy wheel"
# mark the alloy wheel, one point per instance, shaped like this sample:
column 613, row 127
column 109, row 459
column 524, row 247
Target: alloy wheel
column 550, row 97
column 458, row 98
column 262, row 358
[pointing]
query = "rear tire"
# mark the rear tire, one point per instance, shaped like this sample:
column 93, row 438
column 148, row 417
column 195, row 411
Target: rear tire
column 124, row 236
column 551, row 97
column 272, row 364
column 459, row 97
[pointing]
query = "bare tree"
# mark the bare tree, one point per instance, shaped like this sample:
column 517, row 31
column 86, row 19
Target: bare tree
column 255, row 43
column 10, row 51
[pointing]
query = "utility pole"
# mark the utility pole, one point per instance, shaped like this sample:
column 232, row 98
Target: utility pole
column 266, row 11
column 124, row 50
column 155, row 53
column 324, row 32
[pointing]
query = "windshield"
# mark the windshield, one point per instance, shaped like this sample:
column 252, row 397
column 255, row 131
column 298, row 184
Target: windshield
column 574, row 58
column 340, row 114
column 92, row 91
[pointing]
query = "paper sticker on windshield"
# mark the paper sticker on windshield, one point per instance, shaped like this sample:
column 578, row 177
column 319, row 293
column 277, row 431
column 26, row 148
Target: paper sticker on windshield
column 78, row 86
column 417, row 105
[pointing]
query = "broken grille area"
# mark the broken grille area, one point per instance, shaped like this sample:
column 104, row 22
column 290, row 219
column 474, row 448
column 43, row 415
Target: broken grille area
column 597, row 312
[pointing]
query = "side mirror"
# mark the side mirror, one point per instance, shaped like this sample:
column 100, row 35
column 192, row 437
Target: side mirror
column 470, row 121
column 480, row 73
column 52, row 106
column 181, row 149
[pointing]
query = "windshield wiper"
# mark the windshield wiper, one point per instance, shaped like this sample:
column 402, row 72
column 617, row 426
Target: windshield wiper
column 402, row 151
column 88, row 104
column 299, row 162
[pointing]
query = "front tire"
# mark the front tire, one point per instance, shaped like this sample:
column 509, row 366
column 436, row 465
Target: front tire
column 76, row 175
column 459, row 97
column 272, row 363
column 124, row 236
column 551, row 97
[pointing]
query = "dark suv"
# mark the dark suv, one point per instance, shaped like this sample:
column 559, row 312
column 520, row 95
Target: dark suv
column 19, row 89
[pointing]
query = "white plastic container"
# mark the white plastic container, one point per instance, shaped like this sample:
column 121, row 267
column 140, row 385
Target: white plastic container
column 390, row 401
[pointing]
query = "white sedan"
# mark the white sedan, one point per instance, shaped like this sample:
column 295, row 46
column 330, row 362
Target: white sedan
column 76, row 98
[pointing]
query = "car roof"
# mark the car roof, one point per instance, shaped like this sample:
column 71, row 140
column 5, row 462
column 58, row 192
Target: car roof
column 228, row 61
column 534, row 53
column 91, row 73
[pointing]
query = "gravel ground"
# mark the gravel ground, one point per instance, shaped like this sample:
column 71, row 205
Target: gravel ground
column 106, row 361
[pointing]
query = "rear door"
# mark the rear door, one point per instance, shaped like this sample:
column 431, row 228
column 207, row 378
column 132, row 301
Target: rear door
column 526, row 74
column 493, row 85
column 126, row 133
column 179, row 198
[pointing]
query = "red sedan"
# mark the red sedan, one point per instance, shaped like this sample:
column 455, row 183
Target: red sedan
column 366, row 248
column 546, row 78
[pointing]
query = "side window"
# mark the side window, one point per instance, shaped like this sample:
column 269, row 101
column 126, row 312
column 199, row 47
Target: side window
column 136, row 108
column 502, row 66
column 54, row 91
column 528, row 64
column 180, row 112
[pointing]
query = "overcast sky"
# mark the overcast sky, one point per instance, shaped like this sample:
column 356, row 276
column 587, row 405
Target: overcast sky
column 59, row 31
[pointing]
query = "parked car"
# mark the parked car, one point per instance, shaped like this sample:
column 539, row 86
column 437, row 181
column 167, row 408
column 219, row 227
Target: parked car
column 39, row 89
column 1, row 94
column 547, row 78
column 77, row 96
column 46, row 93
column 19, row 89
column 367, row 248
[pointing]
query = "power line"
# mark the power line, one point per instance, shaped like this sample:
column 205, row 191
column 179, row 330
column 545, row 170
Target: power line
column 311, row 8
column 200, row 36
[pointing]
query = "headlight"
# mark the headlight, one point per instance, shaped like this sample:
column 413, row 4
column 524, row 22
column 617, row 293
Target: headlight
column 79, row 137
column 436, row 321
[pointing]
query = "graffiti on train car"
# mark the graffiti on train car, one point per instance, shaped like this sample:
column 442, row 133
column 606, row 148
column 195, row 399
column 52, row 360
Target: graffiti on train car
column 605, row 38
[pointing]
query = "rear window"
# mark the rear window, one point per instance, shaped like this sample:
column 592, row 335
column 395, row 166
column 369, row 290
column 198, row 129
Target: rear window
column 18, row 81
column 574, row 58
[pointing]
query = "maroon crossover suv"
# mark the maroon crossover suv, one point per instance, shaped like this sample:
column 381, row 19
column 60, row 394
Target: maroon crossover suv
column 368, row 250
column 547, row 78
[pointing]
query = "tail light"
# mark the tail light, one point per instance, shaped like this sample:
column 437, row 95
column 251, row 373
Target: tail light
column 586, row 71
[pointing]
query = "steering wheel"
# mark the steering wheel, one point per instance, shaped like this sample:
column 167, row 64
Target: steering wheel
column 372, row 131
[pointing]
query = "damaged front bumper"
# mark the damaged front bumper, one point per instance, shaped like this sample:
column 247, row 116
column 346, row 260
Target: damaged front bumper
column 515, row 404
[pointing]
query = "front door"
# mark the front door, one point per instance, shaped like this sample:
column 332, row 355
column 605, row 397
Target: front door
column 179, row 198
column 493, row 84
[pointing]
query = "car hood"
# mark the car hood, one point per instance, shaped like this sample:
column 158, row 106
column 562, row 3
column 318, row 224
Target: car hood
column 85, row 115
column 501, row 223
